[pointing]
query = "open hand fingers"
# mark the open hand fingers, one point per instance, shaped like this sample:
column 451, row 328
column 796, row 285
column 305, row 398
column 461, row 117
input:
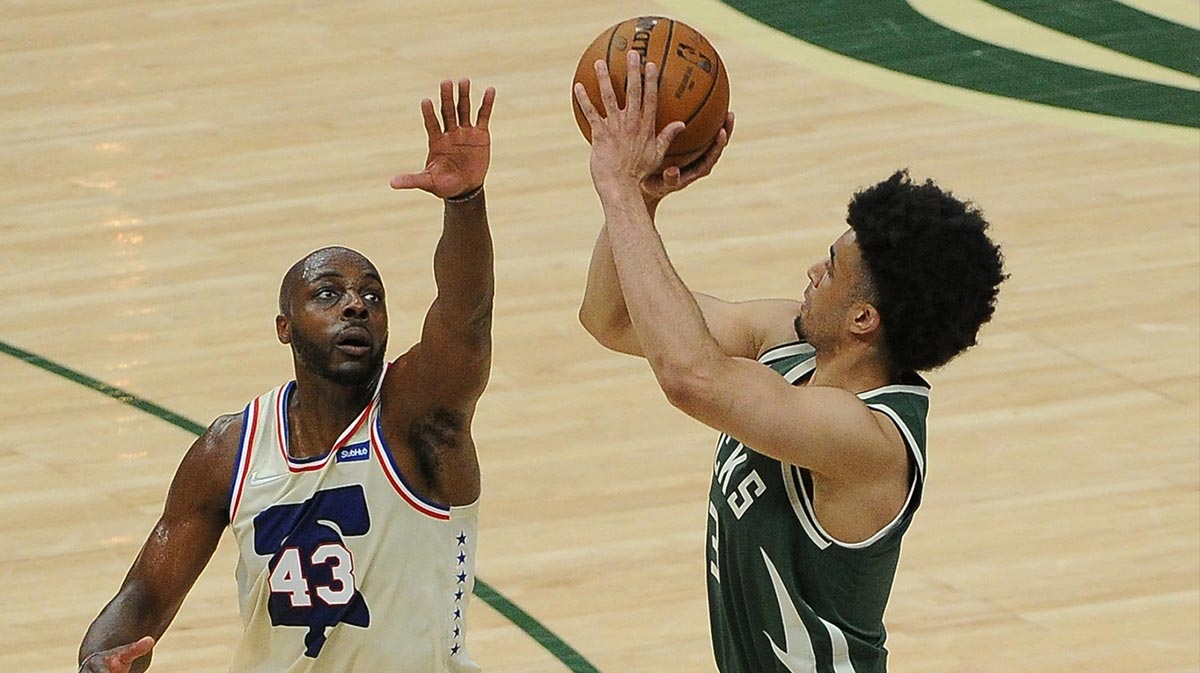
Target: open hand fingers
column 432, row 128
column 585, row 105
column 608, row 97
column 667, row 136
column 704, row 165
column 485, row 108
column 449, row 122
column 464, row 102
column 422, row 180
column 649, row 98
column 633, row 82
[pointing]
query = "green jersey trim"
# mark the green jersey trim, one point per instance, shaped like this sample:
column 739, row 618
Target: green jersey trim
column 787, row 350
column 808, row 523
column 908, row 435
column 798, row 496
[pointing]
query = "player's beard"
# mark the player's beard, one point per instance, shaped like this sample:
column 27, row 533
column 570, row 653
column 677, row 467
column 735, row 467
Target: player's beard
column 799, row 327
column 318, row 358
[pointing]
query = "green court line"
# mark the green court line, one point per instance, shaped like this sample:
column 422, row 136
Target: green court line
column 1116, row 26
column 533, row 628
column 566, row 654
column 102, row 388
column 893, row 35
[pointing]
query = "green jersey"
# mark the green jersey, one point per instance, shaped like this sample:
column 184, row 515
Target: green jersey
column 784, row 596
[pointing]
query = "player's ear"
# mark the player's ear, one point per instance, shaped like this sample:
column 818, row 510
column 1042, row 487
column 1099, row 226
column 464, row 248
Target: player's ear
column 865, row 319
column 283, row 329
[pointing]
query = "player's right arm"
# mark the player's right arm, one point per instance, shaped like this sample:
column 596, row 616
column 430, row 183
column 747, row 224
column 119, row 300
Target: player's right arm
column 176, row 551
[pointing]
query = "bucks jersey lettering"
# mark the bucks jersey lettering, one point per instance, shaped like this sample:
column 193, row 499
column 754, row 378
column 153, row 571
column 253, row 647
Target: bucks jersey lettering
column 784, row 595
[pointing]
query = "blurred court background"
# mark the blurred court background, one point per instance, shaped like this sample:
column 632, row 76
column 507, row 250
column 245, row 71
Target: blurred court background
column 164, row 162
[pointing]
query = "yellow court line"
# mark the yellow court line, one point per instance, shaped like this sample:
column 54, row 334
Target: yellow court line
column 1183, row 12
column 990, row 24
column 718, row 21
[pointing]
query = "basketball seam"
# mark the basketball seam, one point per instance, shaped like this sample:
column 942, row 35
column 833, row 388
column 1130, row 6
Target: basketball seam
column 662, row 65
column 711, row 88
column 699, row 108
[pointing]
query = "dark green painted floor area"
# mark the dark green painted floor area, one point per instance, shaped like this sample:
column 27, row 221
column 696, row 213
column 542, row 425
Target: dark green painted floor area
column 893, row 35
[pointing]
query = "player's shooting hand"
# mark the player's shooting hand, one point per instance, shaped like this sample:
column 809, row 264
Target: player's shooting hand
column 625, row 147
column 459, row 151
column 118, row 659
column 657, row 185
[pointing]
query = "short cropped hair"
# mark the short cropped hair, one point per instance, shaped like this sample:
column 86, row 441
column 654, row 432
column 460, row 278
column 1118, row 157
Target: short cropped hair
column 935, row 273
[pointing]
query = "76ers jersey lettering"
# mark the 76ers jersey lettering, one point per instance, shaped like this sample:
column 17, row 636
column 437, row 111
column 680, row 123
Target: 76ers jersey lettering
column 311, row 570
column 342, row 567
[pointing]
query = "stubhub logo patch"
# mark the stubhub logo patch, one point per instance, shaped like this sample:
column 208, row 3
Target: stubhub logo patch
column 352, row 452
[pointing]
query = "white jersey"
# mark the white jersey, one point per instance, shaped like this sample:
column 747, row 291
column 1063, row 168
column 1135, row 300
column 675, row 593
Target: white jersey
column 342, row 567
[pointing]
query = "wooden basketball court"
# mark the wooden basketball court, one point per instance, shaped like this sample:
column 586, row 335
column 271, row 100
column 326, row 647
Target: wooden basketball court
column 165, row 162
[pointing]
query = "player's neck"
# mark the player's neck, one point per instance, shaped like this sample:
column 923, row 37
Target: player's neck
column 319, row 411
column 852, row 368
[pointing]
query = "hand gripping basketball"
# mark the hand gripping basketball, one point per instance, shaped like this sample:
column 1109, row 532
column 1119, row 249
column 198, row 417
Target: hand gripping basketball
column 692, row 81
column 624, row 143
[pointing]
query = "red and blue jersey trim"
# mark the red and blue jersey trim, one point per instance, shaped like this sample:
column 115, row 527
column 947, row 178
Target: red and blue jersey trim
column 242, row 464
column 316, row 462
column 392, row 471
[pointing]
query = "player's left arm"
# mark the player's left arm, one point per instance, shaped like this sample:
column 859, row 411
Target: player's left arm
column 452, row 362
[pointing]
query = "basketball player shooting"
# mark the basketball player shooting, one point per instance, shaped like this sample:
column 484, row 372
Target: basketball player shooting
column 821, row 460
column 352, row 490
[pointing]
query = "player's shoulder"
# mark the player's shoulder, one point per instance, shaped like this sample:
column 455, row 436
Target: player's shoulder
column 225, row 428
column 220, row 441
column 203, row 476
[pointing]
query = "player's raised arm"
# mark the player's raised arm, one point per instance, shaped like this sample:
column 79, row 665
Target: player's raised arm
column 453, row 359
column 740, row 328
column 176, row 551
column 603, row 312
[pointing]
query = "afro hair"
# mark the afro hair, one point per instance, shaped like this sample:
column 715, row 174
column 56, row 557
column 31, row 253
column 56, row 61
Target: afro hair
column 934, row 270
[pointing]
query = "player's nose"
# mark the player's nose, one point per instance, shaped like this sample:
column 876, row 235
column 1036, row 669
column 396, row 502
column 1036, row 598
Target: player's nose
column 355, row 307
column 816, row 272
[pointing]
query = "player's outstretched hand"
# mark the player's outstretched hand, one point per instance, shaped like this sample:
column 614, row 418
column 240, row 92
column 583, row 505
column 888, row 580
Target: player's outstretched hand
column 459, row 150
column 656, row 186
column 118, row 659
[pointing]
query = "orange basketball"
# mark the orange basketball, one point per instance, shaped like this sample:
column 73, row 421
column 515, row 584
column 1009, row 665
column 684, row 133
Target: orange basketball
column 692, row 84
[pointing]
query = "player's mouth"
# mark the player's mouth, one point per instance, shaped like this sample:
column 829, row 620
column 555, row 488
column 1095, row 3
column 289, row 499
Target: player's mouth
column 354, row 341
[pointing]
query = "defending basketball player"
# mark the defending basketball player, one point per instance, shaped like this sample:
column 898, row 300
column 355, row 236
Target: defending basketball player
column 821, row 461
column 352, row 490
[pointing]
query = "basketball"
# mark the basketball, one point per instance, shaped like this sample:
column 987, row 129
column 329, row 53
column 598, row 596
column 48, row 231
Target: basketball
column 692, row 84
